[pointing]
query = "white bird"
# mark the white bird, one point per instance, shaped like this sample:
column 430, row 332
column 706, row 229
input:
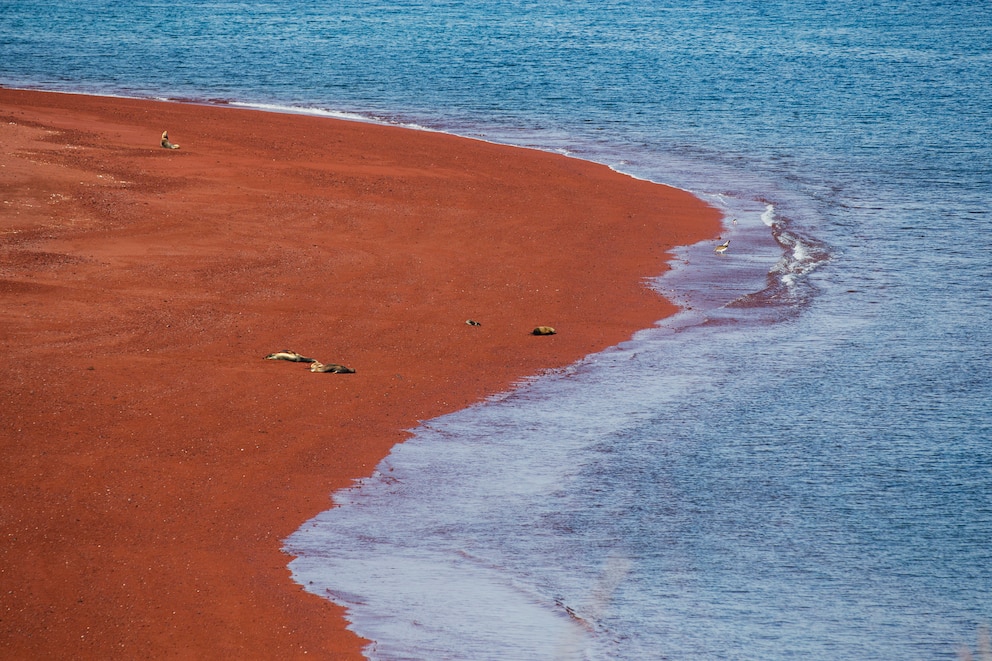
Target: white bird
column 722, row 248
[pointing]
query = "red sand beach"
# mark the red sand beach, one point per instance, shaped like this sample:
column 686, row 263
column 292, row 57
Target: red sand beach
column 152, row 461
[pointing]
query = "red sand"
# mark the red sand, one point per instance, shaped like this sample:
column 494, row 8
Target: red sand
column 152, row 461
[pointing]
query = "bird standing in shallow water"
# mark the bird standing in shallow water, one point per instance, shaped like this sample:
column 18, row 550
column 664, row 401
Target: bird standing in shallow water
column 722, row 248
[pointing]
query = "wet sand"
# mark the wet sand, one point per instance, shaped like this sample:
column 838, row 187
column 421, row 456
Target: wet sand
column 152, row 461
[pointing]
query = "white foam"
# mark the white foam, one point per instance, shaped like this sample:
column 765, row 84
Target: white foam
column 768, row 217
column 324, row 112
column 480, row 610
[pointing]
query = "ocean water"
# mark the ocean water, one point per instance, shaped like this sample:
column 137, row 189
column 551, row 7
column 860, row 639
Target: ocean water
column 799, row 465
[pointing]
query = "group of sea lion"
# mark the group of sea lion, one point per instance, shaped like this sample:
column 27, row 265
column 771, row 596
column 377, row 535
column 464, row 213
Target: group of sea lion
column 315, row 365
column 540, row 330
column 334, row 368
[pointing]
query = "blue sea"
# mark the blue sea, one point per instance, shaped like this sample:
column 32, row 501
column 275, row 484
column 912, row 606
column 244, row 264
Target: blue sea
column 798, row 465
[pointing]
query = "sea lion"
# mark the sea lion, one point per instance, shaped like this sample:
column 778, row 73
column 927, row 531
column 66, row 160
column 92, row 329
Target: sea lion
column 291, row 356
column 473, row 322
column 544, row 330
column 331, row 367
column 166, row 143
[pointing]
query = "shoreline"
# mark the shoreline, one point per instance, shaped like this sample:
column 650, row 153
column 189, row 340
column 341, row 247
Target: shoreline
column 154, row 461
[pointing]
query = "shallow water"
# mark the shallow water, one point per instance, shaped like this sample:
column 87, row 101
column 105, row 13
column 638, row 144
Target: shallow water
column 798, row 466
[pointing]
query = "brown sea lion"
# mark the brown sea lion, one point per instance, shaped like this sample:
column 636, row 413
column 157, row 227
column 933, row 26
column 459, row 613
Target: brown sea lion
column 291, row 356
column 331, row 367
column 166, row 143
column 544, row 330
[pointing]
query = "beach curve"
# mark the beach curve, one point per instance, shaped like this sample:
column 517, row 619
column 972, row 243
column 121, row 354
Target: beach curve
column 153, row 461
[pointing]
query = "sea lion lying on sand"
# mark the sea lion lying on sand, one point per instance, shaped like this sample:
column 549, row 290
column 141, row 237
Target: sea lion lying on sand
column 333, row 368
column 291, row 356
column 544, row 330
column 166, row 143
